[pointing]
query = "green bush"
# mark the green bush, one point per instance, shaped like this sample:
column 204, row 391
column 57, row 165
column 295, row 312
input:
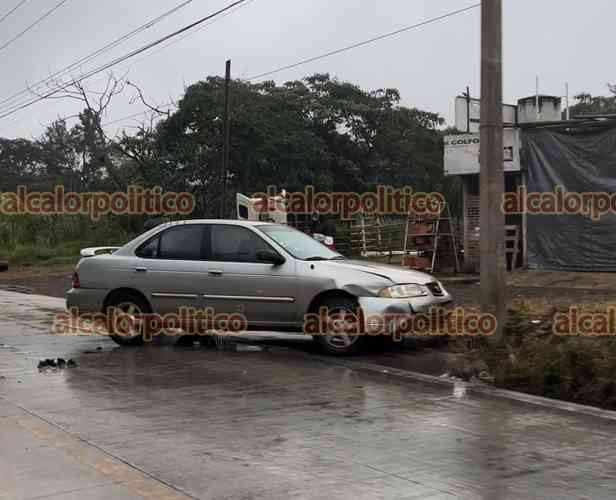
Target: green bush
column 28, row 240
column 532, row 359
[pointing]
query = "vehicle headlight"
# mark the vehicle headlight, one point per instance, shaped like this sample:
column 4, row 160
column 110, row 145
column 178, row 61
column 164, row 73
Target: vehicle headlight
column 403, row 292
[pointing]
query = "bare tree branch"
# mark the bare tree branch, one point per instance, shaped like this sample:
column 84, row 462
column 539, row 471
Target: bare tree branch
column 145, row 103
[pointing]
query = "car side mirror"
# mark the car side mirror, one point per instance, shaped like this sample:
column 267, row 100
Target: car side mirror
column 270, row 257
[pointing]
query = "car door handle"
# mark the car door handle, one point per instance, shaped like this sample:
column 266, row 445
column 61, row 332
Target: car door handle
column 141, row 270
column 215, row 272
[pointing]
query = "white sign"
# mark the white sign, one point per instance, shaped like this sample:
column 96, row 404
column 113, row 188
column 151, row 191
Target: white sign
column 462, row 153
column 464, row 107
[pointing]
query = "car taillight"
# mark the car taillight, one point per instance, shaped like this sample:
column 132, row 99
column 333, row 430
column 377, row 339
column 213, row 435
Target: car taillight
column 76, row 283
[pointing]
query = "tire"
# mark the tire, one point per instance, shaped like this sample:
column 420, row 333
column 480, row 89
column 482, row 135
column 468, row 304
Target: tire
column 130, row 304
column 344, row 345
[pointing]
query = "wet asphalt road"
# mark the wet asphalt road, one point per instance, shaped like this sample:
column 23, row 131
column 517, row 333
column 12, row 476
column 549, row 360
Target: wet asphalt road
column 167, row 422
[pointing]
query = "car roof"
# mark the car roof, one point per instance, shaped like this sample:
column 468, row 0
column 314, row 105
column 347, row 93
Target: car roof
column 221, row 221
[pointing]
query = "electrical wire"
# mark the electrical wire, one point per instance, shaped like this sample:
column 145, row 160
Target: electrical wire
column 328, row 54
column 192, row 32
column 121, row 59
column 365, row 42
column 12, row 10
column 189, row 30
column 135, row 115
column 93, row 55
column 38, row 21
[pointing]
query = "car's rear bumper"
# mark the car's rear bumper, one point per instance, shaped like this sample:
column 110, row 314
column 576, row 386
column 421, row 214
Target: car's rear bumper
column 86, row 300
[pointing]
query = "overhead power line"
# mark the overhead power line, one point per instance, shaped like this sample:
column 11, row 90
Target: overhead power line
column 366, row 42
column 163, row 47
column 93, row 55
column 38, row 21
column 12, row 10
column 192, row 32
column 305, row 61
column 121, row 59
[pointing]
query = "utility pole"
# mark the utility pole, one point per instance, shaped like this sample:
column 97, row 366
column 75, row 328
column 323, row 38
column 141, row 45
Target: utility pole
column 227, row 142
column 468, row 109
column 492, row 179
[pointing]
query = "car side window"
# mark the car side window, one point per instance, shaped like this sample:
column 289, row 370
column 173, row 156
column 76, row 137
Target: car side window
column 235, row 244
column 149, row 250
column 182, row 243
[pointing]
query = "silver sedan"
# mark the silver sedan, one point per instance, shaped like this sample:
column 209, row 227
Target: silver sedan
column 273, row 275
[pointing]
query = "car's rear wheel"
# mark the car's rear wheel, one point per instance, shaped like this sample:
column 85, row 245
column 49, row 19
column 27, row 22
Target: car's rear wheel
column 128, row 326
column 342, row 335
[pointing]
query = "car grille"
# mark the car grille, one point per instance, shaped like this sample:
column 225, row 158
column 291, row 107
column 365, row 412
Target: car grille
column 435, row 289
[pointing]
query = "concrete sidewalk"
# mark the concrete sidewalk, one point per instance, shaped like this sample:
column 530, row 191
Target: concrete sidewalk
column 38, row 460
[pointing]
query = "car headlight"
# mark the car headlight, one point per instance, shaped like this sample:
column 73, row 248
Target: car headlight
column 403, row 292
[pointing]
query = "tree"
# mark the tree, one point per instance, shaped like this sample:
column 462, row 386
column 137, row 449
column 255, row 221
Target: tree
column 587, row 104
column 20, row 163
column 95, row 147
column 319, row 131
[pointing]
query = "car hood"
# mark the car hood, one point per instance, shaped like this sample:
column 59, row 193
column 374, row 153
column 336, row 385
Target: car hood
column 395, row 274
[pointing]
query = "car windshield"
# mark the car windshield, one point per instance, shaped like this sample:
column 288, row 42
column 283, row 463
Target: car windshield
column 299, row 245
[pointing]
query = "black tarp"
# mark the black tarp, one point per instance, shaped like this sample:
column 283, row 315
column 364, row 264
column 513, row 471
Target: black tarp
column 581, row 158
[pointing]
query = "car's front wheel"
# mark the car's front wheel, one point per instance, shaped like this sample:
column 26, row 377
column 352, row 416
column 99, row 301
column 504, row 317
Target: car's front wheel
column 128, row 325
column 341, row 335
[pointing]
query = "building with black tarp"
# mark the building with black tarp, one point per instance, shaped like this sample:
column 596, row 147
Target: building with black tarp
column 560, row 185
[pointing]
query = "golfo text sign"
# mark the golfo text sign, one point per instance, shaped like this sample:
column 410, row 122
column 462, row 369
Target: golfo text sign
column 462, row 153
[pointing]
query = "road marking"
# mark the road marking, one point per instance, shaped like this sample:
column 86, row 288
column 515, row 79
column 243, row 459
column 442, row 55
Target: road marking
column 82, row 452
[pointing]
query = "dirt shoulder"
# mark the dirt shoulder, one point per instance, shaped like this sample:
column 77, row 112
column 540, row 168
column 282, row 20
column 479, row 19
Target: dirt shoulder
column 53, row 281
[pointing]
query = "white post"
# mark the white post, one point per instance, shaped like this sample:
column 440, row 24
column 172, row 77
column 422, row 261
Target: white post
column 537, row 99
column 567, row 100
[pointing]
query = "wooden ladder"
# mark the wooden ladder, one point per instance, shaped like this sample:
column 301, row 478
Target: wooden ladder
column 427, row 236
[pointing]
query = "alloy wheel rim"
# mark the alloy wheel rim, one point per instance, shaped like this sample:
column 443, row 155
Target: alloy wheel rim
column 341, row 321
column 133, row 312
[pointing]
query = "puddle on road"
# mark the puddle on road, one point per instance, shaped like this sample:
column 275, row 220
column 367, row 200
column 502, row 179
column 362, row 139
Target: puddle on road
column 459, row 390
column 225, row 344
column 221, row 343
column 4, row 347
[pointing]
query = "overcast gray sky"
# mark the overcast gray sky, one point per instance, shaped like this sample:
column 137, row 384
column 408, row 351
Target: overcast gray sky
column 561, row 40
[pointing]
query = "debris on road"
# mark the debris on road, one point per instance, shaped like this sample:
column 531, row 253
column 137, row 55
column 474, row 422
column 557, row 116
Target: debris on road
column 47, row 363
column 60, row 363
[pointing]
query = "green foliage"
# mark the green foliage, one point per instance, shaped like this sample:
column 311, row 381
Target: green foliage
column 29, row 239
column 534, row 360
column 318, row 131
column 587, row 104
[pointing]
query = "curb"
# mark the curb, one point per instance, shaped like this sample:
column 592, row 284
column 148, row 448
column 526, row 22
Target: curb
column 477, row 389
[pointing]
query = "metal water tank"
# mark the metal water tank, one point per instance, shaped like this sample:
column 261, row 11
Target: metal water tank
column 549, row 110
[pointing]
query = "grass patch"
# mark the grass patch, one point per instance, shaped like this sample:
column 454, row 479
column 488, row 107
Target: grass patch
column 532, row 359
column 39, row 254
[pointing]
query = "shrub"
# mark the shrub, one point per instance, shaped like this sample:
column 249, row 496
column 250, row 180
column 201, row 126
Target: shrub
column 530, row 358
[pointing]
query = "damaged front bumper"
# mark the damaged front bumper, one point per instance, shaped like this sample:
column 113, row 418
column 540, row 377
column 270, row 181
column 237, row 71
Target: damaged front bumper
column 391, row 316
